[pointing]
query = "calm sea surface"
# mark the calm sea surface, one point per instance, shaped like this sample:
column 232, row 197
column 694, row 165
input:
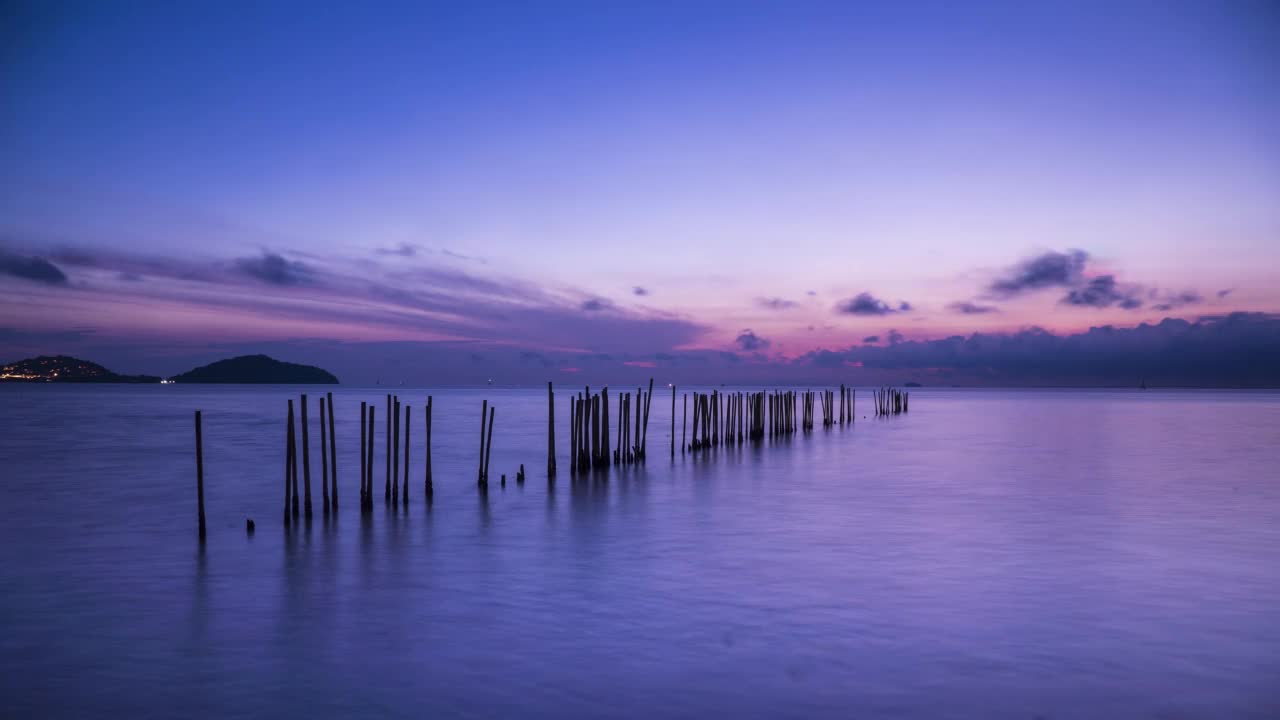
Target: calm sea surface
column 993, row 554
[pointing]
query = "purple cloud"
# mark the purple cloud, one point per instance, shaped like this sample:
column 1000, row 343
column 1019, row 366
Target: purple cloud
column 32, row 268
column 1236, row 350
column 775, row 303
column 1103, row 291
column 1051, row 269
column 972, row 308
column 401, row 250
column 867, row 304
column 273, row 269
column 1179, row 300
column 750, row 342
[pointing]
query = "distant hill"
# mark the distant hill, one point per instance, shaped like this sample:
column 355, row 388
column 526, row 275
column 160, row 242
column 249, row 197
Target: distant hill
column 258, row 369
column 64, row 368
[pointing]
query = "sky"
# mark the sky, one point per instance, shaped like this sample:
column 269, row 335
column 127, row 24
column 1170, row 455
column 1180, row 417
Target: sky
column 700, row 191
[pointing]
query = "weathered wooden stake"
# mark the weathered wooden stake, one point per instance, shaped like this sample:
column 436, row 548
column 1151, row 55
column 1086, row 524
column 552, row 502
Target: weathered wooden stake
column 386, row 493
column 644, row 438
column 551, row 429
column 635, row 442
column 324, row 459
column 200, row 474
column 604, row 427
column 306, row 457
column 488, row 446
column 395, row 454
column 288, row 463
column 618, row 447
column 293, row 451
column 429, row 490
column 572, row 434
column 484, row 412
column 368, row 471
column 364, row 421
column 673, row 421
column 333, row 457
column 407, row 416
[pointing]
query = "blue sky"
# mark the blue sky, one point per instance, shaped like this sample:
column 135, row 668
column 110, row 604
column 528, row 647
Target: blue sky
column 748, row 165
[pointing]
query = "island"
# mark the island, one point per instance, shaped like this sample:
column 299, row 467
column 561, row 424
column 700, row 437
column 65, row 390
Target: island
column 64, row 368
column 247, row 369
column 257, row 369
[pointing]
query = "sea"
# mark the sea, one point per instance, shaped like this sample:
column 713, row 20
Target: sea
column 992, row 554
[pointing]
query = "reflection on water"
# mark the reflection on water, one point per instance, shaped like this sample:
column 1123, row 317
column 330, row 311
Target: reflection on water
column 991, row 554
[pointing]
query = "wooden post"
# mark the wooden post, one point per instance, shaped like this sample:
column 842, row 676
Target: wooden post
column 620, row 433
column 488, row 446
column 599, row 428
column 604, row 426
column 288, row 465
column 593, row 424
column 673, row 420
column 635, row 443
column 369, row 467
column 293, row 451
column 200, row 474
column 306, row 457
column 364, row 421
column 551, row 429
column 694, row 445
column 644, row 438
column 429, row 490
column 324, row 459
column 484, row 412
column 386, row 492
column 407, row 416
column 395, row 453
column 584, row 432
column 684, row 424
column 333, row 457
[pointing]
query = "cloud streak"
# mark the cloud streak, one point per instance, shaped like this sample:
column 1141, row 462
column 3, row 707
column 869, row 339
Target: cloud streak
column 273, row 269
column 1102, row 292
column 1179, row 300
column 750, row 342
column 1051, row 269
column 1236, row 350
column 865, row 303
column 406, row 250
column 971, row 308
column 1083, row 289
column 776, row 303
column 32, row 268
